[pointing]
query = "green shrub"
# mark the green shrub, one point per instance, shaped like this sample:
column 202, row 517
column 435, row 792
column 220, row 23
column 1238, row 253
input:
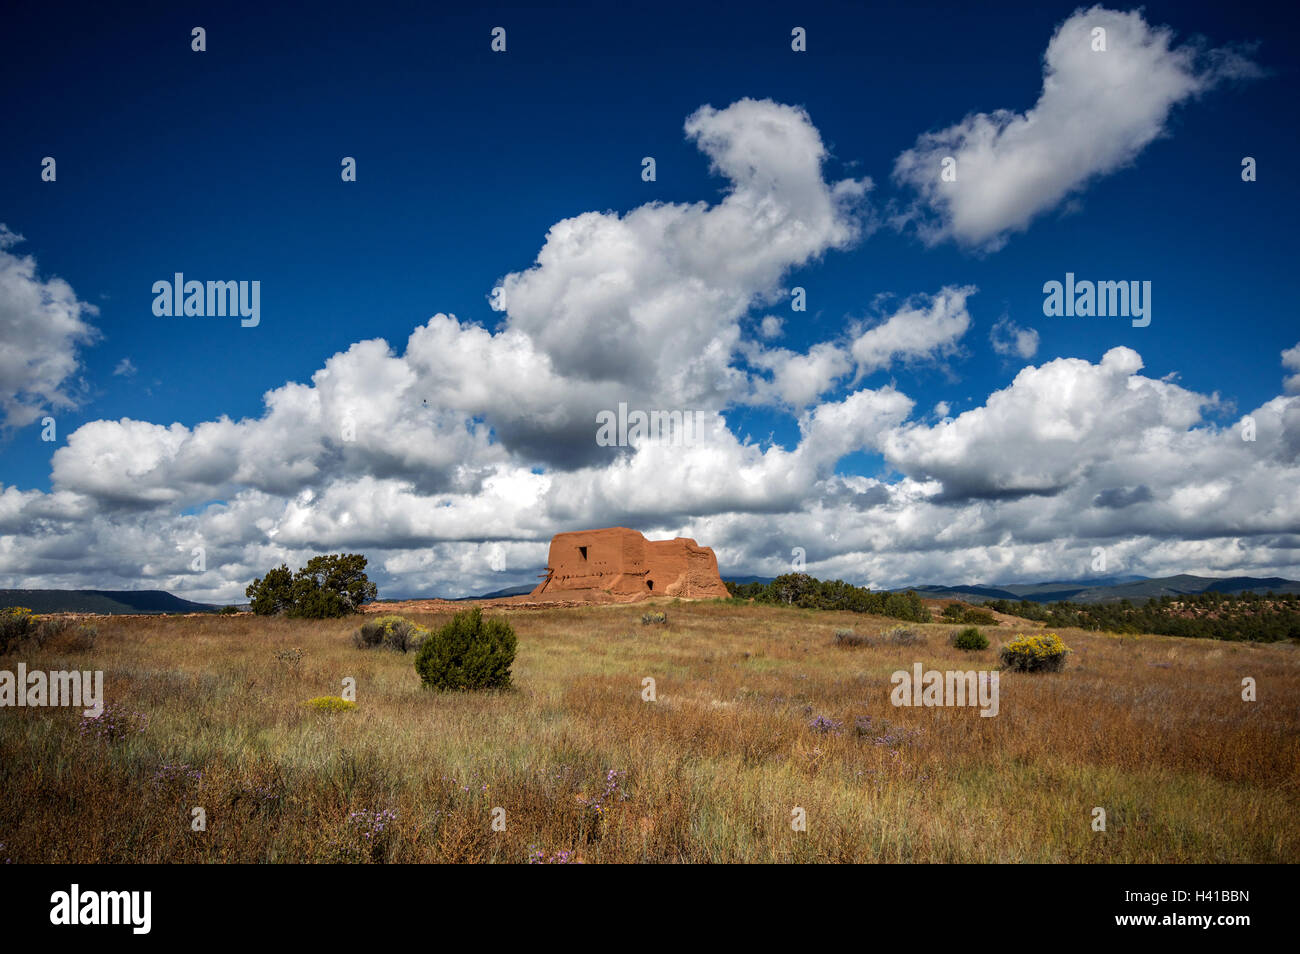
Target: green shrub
column 970, row 638
column 1039, row 653
column 953, row 612
column 648, row 619
column 392, row 632
column 16, row 624
column 467, row 653
column 228, row 611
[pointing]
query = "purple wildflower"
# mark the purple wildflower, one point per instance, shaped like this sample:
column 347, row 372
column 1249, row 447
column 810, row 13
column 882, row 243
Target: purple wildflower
column 825, row 726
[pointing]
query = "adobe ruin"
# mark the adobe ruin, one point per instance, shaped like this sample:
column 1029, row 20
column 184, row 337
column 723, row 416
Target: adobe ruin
column 621, row 566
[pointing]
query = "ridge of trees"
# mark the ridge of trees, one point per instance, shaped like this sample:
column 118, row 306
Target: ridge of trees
column 808, row 592
column 1267, row 617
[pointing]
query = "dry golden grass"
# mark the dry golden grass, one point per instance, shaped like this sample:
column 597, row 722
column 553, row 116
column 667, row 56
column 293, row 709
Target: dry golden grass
column 1152, row 729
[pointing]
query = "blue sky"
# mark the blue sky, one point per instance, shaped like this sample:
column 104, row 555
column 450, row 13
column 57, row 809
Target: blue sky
column 225, row 164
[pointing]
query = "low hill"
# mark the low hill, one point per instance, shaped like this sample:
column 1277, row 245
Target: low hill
column 108, row 602
column 523, row 590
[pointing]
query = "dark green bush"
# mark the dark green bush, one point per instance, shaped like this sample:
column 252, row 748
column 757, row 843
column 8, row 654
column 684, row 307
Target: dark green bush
column 970, row 638
column 467, row 653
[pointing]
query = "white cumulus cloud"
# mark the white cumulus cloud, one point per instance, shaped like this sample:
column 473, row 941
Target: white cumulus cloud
column 43, row 325
column 1097, row 111
column 1291, row 361
column 927, row 327
column 1008, row 339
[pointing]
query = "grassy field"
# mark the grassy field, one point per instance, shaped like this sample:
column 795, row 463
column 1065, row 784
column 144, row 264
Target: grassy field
column 1152, row 729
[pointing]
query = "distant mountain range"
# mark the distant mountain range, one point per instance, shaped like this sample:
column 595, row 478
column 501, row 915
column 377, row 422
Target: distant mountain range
column 113, row 602
column 1135, row 589
column 522, row 590
column 1110, row 589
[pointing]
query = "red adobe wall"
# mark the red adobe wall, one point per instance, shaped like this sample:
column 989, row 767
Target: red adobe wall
column 619, row 565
